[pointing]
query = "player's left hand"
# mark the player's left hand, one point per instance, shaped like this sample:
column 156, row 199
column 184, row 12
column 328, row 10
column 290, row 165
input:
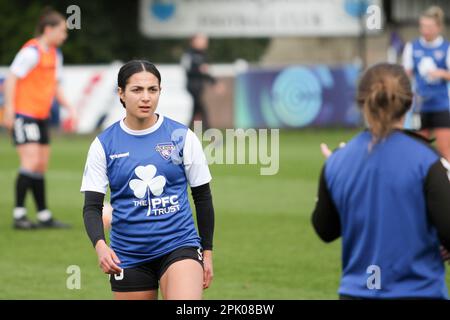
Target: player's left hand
column 73, row 117
column 326, row 152
column 208, row 273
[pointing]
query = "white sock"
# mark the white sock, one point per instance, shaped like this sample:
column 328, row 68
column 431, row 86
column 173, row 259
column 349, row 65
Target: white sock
column 44, row 215
column 19, row 212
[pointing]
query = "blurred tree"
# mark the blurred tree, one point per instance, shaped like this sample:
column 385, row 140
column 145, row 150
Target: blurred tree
column 17, row 23
column 109, row 31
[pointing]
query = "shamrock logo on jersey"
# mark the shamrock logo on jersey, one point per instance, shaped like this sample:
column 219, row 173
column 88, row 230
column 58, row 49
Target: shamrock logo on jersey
column 425, row 67
column 147, row 183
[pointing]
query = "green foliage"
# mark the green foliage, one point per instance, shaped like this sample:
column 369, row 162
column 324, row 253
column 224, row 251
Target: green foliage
column 109, row 31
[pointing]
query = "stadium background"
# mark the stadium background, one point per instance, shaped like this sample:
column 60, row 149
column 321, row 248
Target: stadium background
column 265, row 247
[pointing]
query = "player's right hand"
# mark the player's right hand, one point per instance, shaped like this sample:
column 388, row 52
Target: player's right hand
column 107, row 258
column 8, row 119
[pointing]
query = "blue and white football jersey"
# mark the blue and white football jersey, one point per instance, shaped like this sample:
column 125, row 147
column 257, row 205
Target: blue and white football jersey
column 422, row 57
column 379, row 195
column 147, row 172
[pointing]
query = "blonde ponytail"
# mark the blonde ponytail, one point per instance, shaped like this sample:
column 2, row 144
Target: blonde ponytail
column 435, row 13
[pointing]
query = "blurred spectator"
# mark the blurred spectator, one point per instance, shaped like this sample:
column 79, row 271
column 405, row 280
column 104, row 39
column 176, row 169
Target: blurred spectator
column 195, row 62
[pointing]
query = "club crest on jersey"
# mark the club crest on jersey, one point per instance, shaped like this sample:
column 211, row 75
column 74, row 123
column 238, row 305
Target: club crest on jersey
column 439, row 54
column 165, row 149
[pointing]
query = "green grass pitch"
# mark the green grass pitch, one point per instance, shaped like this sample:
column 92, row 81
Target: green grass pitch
column 265, row 247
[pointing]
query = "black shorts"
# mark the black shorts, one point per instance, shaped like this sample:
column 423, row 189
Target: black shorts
column 434, row 120
column 146, row 276
column 30, row 130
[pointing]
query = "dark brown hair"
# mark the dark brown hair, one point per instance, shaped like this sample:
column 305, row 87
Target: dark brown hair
column 384, row 95
column 132, row 67
column 48, row 17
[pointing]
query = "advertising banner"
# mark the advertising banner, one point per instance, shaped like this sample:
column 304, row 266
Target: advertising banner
column 254, row 18
column 296, row 97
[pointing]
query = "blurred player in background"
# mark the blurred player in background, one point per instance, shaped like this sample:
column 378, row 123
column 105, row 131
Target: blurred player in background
column 387, row 194
column 427, row 60
column 195, row 62
column 32, row 84
column 148, row 161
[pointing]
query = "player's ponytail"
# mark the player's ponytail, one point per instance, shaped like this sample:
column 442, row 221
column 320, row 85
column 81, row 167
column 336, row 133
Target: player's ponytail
column 435, row 13
column 384, row 95
column 48, row 17
column 132, row 67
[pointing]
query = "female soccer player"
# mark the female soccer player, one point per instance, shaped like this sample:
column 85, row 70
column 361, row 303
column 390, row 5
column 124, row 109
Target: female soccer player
column 427, row 59
column 148, row 160
column 386, row 192
column 32, row 84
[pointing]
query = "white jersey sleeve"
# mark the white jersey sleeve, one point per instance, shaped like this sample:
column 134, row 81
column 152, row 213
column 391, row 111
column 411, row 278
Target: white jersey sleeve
column 26, row 59
column 448, row 58
column 59, row 66
column 194, row 160
column 186, row 61
column 95, row 177
column 407, row 59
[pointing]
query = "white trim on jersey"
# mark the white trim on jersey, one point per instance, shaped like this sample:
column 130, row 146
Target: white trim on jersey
column 432, row 44
column 195, row 164
column 153, row 128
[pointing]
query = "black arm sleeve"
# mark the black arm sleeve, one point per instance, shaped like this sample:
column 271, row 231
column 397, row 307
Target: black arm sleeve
column 325, row 218
column 92, row 215
column 205, row 214
column 437, row 193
